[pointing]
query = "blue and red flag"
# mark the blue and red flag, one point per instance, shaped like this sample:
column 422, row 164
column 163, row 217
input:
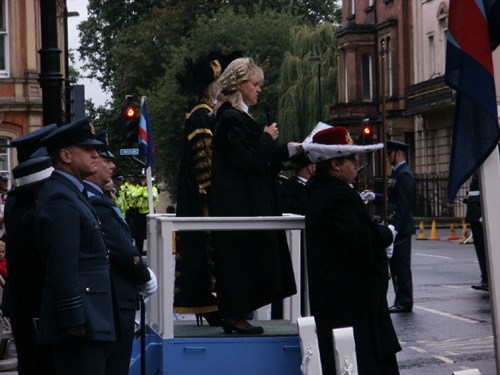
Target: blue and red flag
column 146, row 139
column 473, row 32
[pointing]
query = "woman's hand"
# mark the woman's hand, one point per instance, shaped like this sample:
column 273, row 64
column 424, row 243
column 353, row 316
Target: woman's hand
column 294, row 148
column 272, row 130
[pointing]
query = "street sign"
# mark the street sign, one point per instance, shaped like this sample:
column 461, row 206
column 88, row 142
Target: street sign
column 129, row 151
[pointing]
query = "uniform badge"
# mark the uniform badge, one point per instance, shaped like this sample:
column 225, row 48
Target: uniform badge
column 91, row 128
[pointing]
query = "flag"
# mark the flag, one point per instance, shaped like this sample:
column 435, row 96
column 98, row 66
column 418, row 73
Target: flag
column 472, row 34
column 146, row 139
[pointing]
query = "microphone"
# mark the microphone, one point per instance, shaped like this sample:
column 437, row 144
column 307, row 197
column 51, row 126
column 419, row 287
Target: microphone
column 268, row 112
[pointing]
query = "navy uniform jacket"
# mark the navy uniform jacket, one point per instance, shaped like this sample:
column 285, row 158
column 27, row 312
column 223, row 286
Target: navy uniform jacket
column 77, row 288
column 401, row 196
column 127, row 269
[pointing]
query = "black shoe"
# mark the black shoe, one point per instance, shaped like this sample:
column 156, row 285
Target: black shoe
column 399, row 309
column 214, row 319
column 240, row 326
column 481, row 286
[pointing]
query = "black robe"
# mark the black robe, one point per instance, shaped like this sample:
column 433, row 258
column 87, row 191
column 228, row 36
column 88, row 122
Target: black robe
column 253, row 268
column 194, row 267
column 347, row 268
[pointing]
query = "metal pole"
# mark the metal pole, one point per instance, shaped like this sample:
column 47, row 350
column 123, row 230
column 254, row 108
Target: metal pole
column 143, row 335
column 67, row 78
column 319, row 91
column 383, row 129
column 50, row 77
column 67, row 86
column 318, row 60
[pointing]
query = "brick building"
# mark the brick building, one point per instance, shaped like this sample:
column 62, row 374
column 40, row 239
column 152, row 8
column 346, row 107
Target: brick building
column 399, row 47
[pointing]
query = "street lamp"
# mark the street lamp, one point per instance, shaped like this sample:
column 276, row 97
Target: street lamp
column 318, row 60
column 67, row 83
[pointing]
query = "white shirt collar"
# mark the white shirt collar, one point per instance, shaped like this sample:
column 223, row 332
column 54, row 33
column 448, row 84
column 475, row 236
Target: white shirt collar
column 244, row 107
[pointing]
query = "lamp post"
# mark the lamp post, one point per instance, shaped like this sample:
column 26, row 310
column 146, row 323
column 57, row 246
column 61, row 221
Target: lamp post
column 318, row 60
column 67, row 83
column 50, row 77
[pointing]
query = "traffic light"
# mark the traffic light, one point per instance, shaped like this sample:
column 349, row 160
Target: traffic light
column 130, row 123
column 366, row 133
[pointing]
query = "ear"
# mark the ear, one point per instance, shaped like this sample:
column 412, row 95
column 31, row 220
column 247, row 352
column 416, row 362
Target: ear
column 334, row 165
column 65, row 155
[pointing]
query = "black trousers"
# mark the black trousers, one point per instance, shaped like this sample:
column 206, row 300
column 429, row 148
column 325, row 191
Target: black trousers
column 118, row 362
column 400, row 266
column 478, row 235
column 72, row 357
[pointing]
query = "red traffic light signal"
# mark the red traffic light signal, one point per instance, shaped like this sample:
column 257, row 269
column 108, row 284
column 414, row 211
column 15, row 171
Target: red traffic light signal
column 367, row 134
column 130, row 112
column 129, row 121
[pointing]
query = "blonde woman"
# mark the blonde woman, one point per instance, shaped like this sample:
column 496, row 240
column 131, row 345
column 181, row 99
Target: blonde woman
column 253, row 268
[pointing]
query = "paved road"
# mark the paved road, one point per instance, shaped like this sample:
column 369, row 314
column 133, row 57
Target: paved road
column 450, row 327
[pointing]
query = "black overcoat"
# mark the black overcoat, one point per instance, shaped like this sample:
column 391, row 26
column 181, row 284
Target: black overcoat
column 347, row 268
column 253, row 268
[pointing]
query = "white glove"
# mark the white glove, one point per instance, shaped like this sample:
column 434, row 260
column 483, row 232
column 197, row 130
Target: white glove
column 367, row 195
column 150, row 287
column 389, row 249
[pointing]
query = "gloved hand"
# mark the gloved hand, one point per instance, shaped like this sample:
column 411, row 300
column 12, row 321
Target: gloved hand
column 389, row 249
column 150, row 287
column 367, row 195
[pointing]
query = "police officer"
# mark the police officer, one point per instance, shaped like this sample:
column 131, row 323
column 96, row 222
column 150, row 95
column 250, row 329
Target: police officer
column 129, row 274
column 23, row 290
column 401, row 195
column 77, row 314
column 473, row 216
column 141, row 203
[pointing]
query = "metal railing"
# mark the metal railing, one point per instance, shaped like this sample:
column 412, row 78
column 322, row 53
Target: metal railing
column 161, row 238
column 432, row 198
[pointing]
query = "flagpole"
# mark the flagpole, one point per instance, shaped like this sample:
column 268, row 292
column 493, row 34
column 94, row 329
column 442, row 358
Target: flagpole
column 489, row 185
column 148, row 176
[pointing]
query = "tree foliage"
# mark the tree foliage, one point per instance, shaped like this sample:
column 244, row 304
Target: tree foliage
column 301, row 77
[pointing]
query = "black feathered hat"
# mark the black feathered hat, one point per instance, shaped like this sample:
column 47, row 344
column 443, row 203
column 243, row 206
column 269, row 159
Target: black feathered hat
column 200, row 73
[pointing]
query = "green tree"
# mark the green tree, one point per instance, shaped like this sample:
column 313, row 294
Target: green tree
column 299, row 81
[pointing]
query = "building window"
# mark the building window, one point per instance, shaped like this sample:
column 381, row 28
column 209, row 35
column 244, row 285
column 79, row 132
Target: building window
column 4, row 40
column 366, row 78
column 4, row 157
column 352, row 7
column 432, row 56
column 370, row 3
